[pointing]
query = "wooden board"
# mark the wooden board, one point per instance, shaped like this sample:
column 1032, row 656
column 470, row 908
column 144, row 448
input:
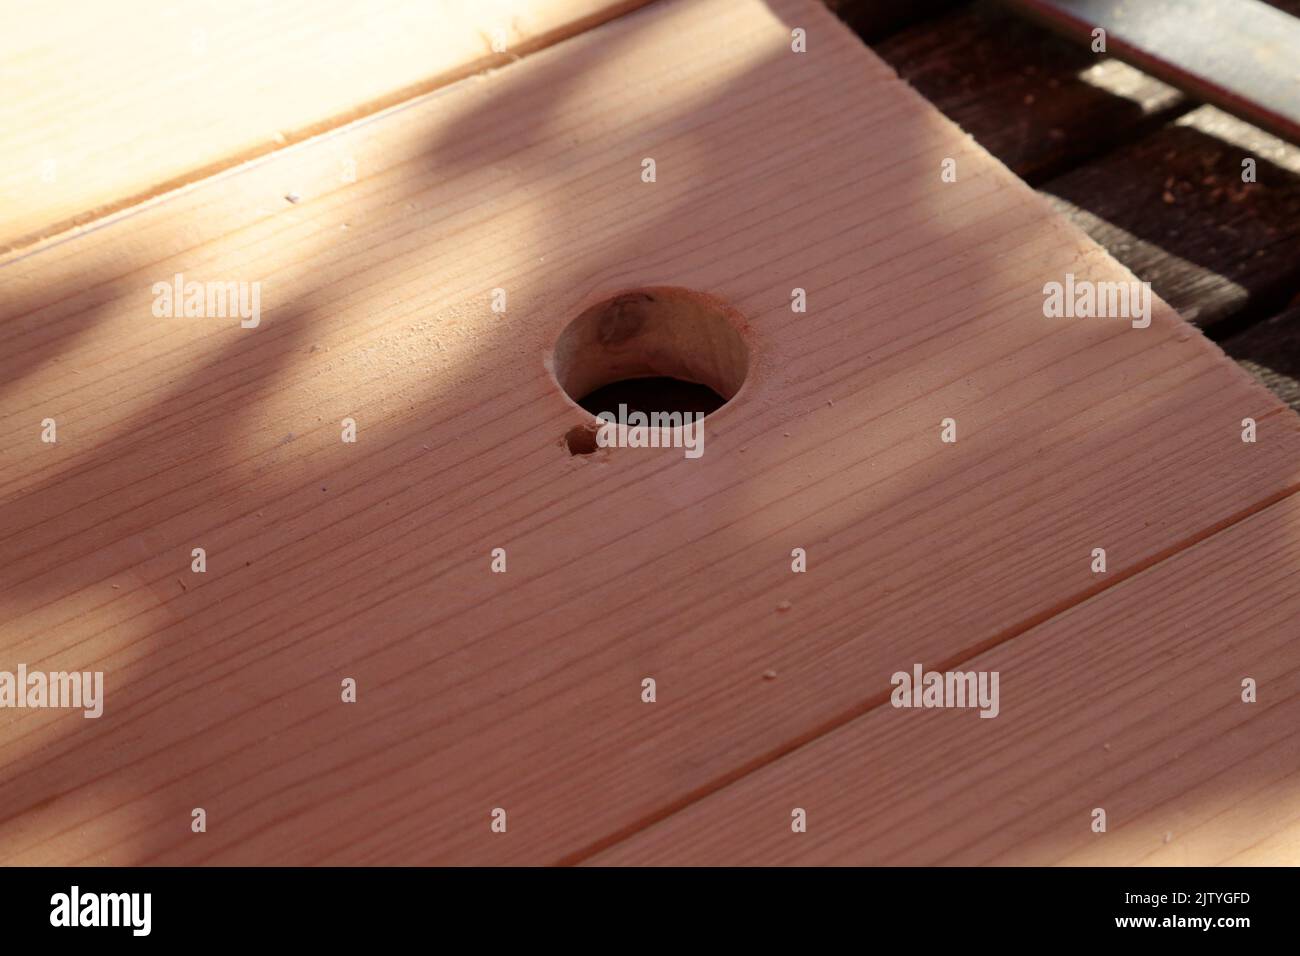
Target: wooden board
column 105, row 106
column 1153, row 731
column 371, row 560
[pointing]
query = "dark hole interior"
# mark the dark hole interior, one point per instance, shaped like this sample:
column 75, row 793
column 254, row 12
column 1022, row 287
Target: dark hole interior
column 657, row 394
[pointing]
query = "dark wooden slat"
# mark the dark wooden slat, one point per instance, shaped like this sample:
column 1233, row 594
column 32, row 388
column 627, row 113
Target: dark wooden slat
column 1173, row 208
column 872, row 20
column 1034, row 100
column 1270, row 350
column 1170, row 205
column 1243, row 56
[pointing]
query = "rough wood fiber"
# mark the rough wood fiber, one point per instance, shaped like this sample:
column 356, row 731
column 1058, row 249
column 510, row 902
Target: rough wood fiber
column 371, row 560
column 105, row 104
column 1130, row 702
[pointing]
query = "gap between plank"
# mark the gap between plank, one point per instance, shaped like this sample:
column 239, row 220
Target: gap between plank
column 879, row 700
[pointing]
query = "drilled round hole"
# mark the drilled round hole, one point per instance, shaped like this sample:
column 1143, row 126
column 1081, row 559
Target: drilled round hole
column 652, row 350
column 654, row 394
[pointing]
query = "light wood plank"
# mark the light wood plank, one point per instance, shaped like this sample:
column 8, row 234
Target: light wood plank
column 480, row 690
column 108, row 104
column 1130, row 702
